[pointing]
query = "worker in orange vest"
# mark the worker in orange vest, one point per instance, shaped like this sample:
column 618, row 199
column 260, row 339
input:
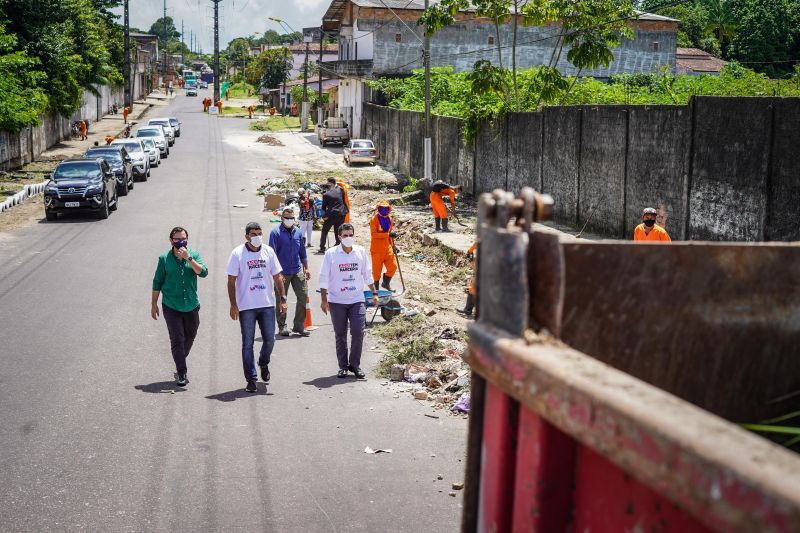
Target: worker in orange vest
column 272, row 111
column 346, row 190
column 219, row 106
column 382, row 245
column 109, row 139
column 294, row 110
column 83, row 130
column 648, row 230
column 470, row 305
column 250, row 111
column 439, row 190
column 125, row 113
column 227, row 94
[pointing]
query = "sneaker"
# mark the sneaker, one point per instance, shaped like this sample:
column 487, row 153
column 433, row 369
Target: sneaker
column 251, row 386
column 284, row 332
column 265, row 375
column 182, row 380
column 302, row 332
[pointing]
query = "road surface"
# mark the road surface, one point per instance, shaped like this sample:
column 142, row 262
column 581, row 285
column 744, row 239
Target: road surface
column 96, row 437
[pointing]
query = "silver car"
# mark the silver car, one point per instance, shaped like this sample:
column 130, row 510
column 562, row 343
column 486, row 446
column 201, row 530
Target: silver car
column 176, row 125
column 139, row 158
column 360, row 151
column 168, row 130
column 153, row 152
column 157, row 134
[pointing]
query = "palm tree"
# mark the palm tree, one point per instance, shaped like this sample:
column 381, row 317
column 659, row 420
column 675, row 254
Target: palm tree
column 720, row 19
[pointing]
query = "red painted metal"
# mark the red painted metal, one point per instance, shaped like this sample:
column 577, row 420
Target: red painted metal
column 544, row 476
column 609, row 500
column 499, row 457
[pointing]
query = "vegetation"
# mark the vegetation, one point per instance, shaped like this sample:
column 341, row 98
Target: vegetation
column 22, row 98
column 270, row 69
column 276, row 123
column 779, row 430
column 404, row 344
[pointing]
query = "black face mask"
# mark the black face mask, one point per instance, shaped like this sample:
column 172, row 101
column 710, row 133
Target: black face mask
column 179, row 244
column 649, row 223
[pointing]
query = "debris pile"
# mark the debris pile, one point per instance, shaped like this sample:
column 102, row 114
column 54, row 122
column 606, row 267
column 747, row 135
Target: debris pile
column 270, row 140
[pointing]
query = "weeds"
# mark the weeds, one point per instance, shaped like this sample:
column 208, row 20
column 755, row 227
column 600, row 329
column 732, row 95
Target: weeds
column 406, row 343
column 276, row 124
column 412, row 185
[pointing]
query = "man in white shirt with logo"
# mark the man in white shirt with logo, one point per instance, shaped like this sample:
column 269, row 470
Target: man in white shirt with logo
column 346, row 268
column 252, row 269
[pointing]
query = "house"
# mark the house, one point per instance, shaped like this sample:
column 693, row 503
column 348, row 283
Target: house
column 144, row 64
column 694, row 61
column 380, row 38
column 281, row 97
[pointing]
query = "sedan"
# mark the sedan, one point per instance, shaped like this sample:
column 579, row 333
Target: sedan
column 135, row 149
column 157, row 134
column 169, row 132
column 176, row 125
column 153, row 153
column 360, row 151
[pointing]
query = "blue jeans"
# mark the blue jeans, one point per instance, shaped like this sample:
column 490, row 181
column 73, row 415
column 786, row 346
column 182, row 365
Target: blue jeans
column 265, row 316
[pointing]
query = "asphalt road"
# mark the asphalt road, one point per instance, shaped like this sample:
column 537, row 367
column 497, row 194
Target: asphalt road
column 94, row 438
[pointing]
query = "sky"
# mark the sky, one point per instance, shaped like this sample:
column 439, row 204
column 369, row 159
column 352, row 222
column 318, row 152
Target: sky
column 238, row 18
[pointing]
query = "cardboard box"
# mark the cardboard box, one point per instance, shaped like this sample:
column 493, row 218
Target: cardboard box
column 273, row 201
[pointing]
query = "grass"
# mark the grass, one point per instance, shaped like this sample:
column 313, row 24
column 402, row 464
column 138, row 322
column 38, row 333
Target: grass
column 788, row 436
column 402, row 344
column 238, row 90
column 276, row 123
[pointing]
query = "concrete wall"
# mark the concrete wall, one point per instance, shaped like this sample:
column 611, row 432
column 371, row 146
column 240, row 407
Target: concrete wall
column 18, row 149
column 718, row 169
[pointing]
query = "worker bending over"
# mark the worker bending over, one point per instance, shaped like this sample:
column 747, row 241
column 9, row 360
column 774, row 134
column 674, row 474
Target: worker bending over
column 648, row 230
column 250, row 111
column 438, row 192
column 470, row 306
column 382, row 245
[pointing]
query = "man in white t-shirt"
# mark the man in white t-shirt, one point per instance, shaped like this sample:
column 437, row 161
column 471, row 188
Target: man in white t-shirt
column 253, row 277
column 346, row 268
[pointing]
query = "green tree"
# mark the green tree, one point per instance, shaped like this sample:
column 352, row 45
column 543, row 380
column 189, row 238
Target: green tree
column 22, row 98
column 270, row 69
column 763, row 38
column 165, row 29
column 720, row 20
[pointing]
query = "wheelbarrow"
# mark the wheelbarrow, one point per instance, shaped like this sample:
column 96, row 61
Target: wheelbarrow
column 388, row 305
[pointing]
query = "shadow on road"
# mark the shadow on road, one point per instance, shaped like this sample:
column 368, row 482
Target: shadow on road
column 238, row 394
column 160, row 387
column 330, row 381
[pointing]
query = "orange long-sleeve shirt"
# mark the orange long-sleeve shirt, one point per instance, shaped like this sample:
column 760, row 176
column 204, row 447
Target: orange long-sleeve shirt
column 656, row 234
column 379, row 237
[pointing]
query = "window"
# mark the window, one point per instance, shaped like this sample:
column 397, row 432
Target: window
column 491, row 40
column 655, row 46
column 398, row 37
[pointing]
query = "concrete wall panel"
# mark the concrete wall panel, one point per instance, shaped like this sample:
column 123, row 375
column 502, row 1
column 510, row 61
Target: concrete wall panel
column 449, row 135
column 783, row 211
column 658, row 144
column 727, row 191
column 417, row 144
column 491, row 160
column 404, row 128
column 602, row 171
column 561, row 129
column 524, row 151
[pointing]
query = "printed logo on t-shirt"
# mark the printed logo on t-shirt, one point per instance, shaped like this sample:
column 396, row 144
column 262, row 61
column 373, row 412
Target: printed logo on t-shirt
column 257, row 287
column 256, row 263
column 349, row 278
column 348, row 267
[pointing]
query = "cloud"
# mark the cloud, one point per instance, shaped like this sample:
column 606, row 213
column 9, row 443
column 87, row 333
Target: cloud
column 238, row 18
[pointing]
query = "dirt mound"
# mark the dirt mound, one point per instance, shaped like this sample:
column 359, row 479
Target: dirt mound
column 269, row 139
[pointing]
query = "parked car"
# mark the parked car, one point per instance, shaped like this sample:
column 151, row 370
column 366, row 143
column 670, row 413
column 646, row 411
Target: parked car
column 157, row 134
column 153, row 153
column 120, row 162
column 191, row 90
column 203, row 84
column 81, row 185
column 333, row 130
column 169, row 131
column 176, row 125
column 360, row 151
column 141, row 163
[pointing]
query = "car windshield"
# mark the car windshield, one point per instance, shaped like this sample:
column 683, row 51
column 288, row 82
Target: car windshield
column 173, row 121
column 133, row 148
column 150, row 144
column 78, row 169
column 362, row 144
column 159, row 122
column 148, row 133
column 108, row 155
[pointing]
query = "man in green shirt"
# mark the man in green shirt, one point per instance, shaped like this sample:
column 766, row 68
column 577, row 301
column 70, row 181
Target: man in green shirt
column 176, row 279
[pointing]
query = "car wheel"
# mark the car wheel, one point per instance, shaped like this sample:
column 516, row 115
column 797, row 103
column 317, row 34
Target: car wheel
column 116, row 203
column 130, row 184
column 103, row 213
column 144, row 177
column 50, row 215
column 122, row 190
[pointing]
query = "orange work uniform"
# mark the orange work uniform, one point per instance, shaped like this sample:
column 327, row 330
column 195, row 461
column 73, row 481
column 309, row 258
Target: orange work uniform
column 109, row 139
column 125, row 114
column 219, row 106
column 437, row 202
column 381, row 248
column 250, row 111
column 346, row 188
column 83, row 130
column 471, row 250
column 657, row 233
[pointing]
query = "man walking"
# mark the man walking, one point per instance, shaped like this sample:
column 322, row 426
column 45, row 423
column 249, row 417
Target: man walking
column 335, row 210
column 648, row 230
column 287, row 241
column 252, row 269
column 345, row 270
column 176, row 280
column 308, row 214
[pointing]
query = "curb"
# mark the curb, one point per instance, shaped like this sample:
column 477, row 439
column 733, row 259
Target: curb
column 27, row 192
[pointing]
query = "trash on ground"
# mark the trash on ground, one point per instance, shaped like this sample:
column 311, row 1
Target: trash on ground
column 371, row 451
column 458, row 486
column 414, row 373
column 462, row 405
column 240, row 205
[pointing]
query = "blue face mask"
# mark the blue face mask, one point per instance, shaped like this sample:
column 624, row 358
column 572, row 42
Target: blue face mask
column 383, row 211
column 179, row 244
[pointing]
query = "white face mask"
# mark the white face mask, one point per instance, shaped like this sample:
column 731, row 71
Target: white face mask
column 256, row 240
column 348, row 242
column 288, row 222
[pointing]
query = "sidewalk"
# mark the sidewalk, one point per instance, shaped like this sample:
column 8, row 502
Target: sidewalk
column 109, row 125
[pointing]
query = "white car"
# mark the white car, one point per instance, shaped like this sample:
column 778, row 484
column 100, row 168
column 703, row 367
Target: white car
column 176, row 125
column 168, row 130
column 157, row 134
column 359, row 151
column 139, row 159
column 152, row 151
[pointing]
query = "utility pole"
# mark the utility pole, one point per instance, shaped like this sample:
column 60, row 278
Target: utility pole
column 166, row 61
column 320, row 112
column 126, row 62
column 216, row 50
column 426, row 60
column 183, row 56
column 304, row 107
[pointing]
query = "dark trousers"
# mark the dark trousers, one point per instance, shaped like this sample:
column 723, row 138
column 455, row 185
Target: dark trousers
column 298, row 282
column 333, row 221
column 356, row 315
column 265, row 318
column 182, row 327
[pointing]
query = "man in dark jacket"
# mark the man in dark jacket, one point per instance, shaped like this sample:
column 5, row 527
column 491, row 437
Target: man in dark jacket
column 335, row 210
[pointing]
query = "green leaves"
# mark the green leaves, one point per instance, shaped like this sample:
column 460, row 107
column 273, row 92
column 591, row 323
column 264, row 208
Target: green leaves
column 270, row 69
column 21, row 98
